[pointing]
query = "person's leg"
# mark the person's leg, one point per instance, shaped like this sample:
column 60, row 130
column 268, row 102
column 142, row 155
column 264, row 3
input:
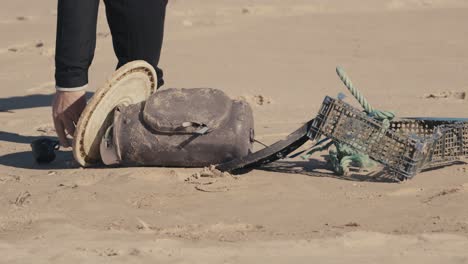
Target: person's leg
column 75, row 42
column 137, row 28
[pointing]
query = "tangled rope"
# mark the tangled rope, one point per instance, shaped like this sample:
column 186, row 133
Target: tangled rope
column 342, row 157
column 380, row 115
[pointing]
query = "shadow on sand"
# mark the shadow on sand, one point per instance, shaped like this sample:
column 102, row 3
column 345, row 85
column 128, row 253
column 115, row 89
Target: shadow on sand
column 28, row 101
column 25, row 160
column 17, row 138
column 316, row 168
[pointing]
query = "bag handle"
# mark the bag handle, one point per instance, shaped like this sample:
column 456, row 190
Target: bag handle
column 202, row 128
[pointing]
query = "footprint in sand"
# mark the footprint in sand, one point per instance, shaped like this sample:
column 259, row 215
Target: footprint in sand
column 460, row 95
column 36, row 46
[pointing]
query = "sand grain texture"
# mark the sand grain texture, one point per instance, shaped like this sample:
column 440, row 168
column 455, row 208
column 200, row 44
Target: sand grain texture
column 405, row 55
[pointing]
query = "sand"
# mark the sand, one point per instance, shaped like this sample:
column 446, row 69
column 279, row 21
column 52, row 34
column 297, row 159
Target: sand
column 405, row 55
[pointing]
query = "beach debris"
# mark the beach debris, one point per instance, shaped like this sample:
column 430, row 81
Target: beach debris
column 357, row 140
column 344, row 156
column 399, row 145
column 44, row 150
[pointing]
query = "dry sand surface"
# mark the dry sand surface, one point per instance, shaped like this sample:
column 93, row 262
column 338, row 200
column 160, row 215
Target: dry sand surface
column 407, row 55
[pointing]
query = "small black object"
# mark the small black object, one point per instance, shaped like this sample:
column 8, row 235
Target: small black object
column 44, row 149
column 269, row 154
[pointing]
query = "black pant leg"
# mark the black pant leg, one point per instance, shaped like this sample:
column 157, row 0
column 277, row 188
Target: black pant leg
column 137, row 28
column 75, row 42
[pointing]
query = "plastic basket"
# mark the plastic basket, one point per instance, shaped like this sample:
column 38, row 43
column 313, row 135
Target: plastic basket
column 402, row 154
column 449, row 136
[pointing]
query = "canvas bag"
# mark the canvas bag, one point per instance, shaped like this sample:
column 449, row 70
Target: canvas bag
column 183, row 128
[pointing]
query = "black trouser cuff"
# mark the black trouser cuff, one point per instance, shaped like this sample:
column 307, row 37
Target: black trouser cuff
column 71, row 79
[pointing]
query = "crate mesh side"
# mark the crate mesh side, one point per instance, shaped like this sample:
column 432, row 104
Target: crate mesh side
column 347, row 125
column 451, row 138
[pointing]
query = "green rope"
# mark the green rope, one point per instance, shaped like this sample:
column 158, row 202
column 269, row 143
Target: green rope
column 380, row 115
column 344, row 156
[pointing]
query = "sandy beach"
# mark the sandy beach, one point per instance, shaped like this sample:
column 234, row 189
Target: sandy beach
column 409, row 56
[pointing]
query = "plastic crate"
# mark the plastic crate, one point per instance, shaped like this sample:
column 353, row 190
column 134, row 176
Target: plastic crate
column 449, row 136
column 403, row 154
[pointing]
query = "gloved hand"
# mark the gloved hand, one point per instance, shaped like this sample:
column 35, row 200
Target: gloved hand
column 66, row 111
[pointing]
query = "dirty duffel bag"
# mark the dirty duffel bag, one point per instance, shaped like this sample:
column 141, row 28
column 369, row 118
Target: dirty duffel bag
column 183, row 128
